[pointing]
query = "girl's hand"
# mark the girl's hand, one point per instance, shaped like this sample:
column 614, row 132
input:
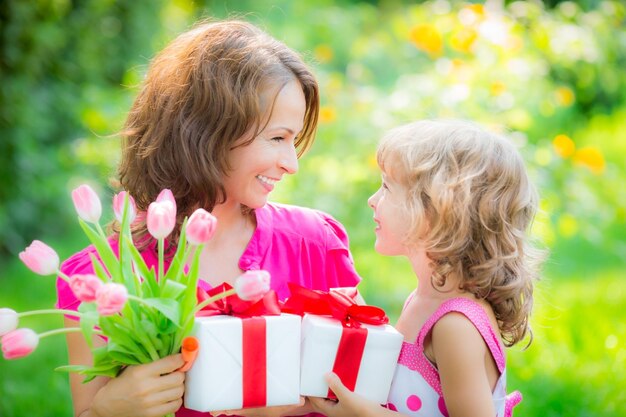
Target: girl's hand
column 150, row 390
column 349, row 404
column 277, row 411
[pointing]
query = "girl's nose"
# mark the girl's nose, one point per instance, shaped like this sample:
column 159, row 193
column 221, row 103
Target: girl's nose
column 370, row 201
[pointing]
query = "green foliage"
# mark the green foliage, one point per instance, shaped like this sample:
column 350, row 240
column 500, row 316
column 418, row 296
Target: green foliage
column 60, row 61
column 552, row 77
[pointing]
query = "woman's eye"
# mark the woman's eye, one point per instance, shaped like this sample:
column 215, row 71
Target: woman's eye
column 278, row 138
column 384, row 186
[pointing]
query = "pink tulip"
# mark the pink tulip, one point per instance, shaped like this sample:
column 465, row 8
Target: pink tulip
column 40, row 258
column 200, row 227
column 19, row 343
column 118, row 207
column 87, row 203
column 110, row 298
column 8, row 321
column 161, row 219
column 166, row 195
column 85, row 287
column 252, row 285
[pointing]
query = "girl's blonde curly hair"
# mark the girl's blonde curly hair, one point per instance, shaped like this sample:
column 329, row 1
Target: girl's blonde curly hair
column 471, row 204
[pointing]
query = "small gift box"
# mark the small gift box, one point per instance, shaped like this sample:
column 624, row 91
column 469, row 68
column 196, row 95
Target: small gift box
column 246, row 359
column 350, row 340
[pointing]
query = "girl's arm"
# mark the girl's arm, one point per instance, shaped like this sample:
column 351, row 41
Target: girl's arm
column 349, row 404
column 465, row 366
column 150, row 390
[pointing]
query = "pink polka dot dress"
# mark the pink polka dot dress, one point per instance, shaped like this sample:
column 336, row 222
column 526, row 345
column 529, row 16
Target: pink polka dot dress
column 416, row 387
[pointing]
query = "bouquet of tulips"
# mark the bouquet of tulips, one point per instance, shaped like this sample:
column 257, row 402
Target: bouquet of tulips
column 144, row 314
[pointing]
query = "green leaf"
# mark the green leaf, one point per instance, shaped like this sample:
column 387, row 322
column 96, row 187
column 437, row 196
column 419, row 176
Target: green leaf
column 124, row 337
column 176, row 268
column 99, row 269
column 149, row 275
column 72, row 368
column 125, row 358
column 170, row 308
column 173, row 290
column 102, row 246
column 88, row 321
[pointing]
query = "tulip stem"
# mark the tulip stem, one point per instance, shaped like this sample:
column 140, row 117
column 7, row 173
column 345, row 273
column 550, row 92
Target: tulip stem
column 209, row 301
column 63, row 276
column 100, row 231
column 161, row 276
column 50, row 311
column 65, row 330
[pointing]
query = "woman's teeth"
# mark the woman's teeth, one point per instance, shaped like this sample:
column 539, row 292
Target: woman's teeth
column 266, row 180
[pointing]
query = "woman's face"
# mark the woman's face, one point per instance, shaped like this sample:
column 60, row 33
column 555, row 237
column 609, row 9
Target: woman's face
column 390, row 218
column 257, row 167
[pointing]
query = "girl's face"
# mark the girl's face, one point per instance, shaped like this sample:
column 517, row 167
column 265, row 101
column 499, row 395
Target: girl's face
column 390, row 218
column 257, row 167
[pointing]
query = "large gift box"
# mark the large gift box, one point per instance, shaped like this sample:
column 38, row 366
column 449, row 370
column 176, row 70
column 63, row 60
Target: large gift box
column 244, row 361
column 353, row 341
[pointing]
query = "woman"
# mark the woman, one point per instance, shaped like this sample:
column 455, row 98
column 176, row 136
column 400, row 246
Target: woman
column 224, row 113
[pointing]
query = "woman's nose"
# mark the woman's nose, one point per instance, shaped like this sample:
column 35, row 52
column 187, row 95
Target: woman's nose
column 289, row 160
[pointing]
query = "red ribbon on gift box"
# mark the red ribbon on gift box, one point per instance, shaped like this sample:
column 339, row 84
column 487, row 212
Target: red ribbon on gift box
column 254, row 355
column 339, row 303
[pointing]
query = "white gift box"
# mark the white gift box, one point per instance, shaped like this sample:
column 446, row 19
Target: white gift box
column 215, row 381
column 320, row 341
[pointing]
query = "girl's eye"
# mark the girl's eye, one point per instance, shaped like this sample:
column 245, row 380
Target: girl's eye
column 384, row 186
column 277, row 138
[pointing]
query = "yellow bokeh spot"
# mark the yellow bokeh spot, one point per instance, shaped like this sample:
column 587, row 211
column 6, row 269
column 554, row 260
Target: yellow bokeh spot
column 592, row 158
column 563, row 146
column 497, row 87
column 427, row 38
column 323, row 53
column 564, row 96
column 519, row 119
column 372, row 162
column 543, row 156
column 327, row 114
column 463, row 39
column 568, row 225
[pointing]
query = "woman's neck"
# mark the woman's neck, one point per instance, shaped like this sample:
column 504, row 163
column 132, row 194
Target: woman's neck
column 231, row 220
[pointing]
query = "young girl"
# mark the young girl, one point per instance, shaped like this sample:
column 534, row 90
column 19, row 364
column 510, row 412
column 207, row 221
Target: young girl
column 457, row 202
column 223, row 115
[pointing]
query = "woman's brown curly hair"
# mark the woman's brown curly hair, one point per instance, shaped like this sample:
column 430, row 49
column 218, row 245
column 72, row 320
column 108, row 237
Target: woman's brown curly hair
column 208, row 89
column 471, row 204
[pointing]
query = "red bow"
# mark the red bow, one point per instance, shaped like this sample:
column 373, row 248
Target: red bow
column 232, row 305
column 338, row 302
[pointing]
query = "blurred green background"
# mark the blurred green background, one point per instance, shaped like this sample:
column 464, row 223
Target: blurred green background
column 551, row 73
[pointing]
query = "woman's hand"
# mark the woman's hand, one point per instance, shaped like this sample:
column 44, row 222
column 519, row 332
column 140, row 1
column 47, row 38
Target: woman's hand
column 150, row 390
column 348, row 403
